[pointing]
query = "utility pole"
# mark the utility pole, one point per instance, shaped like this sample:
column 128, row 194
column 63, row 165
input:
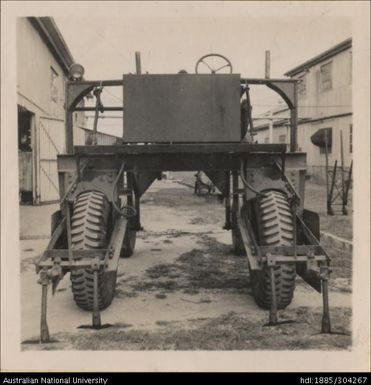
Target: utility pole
column 270, row 131
column 267, row 76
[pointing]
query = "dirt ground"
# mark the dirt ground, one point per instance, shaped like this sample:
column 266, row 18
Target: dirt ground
column 183, row 289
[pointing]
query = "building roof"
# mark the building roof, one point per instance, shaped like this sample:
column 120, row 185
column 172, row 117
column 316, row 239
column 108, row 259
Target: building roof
column 100, row 132
column 277, row 123
column 54, row 40
column 321, row 57
column 285, row 121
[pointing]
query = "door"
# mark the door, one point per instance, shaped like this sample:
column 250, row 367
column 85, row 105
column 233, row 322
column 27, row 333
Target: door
column 25, row 158
column 51, row 144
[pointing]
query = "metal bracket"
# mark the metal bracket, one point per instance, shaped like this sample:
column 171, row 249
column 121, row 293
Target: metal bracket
column 289, row 185
column 72, row 187
column 56, row 273
column 117, row 238
column 110, row 252
column 311, row 238
column 95, row 263
column 311, row 258
column 249, row 243
column 271, row 260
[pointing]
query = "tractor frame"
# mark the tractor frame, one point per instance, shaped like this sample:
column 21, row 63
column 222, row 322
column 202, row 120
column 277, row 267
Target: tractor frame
column 241, row 170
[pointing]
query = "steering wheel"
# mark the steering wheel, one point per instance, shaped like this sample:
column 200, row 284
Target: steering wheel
column 213, row 71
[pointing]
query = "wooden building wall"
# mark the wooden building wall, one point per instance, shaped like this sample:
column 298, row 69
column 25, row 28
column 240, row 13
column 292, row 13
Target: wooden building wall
column 41, row 90
column 329, row 107
column 315, row 100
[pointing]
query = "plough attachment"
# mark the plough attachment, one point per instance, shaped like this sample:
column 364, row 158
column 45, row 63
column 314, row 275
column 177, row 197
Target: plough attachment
column 310, row 260
column 55, row 263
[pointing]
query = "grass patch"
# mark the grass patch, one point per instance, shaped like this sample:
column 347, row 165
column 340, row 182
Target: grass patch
column 198, row 221
column 162, row 323
column 205, row 300
column 161, row 296
column 160, row 271
column 210, row 267
column 121, row 325
column 164, row 285
column 341, row 262
column 340, row 225
column 191, row 291
column 120, row 293
column 214, row 267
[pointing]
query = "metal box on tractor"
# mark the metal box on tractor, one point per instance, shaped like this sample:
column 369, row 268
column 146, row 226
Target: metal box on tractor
column 182, row 122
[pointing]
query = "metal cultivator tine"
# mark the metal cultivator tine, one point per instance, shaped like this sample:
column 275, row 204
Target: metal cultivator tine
column 326, row 322
column 273, row 319
column 273, row 316
column 96, row 317
column 44, row 330
column 96, row 320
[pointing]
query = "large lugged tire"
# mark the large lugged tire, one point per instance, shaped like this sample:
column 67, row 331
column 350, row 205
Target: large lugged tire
column 89, row 231
column 274, row 224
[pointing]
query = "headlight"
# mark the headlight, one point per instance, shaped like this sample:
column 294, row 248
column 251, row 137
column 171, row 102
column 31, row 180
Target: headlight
column 76, row 71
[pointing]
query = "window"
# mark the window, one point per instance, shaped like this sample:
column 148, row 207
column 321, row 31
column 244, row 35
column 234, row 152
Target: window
column 53, row 85
column 282, row 138
column 302, row 85
column 326, row 77
column 351, row 138
column 266, row 140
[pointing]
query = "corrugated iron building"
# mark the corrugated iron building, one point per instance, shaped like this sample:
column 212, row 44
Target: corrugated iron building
column 325, row 102
column 103, row 139
column 43, row 60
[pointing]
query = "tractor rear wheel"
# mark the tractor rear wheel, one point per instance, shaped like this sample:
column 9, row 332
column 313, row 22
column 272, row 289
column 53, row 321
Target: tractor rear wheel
column 89, row 231
column 274, row 227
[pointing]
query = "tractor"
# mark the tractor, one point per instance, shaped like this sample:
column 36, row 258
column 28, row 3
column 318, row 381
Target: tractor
column 182, row 122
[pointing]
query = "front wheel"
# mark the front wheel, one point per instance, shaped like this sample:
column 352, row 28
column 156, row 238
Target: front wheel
column 274, row 227
column 89, row 231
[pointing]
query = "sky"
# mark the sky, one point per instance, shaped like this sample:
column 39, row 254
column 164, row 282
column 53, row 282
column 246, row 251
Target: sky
column 171, row 37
